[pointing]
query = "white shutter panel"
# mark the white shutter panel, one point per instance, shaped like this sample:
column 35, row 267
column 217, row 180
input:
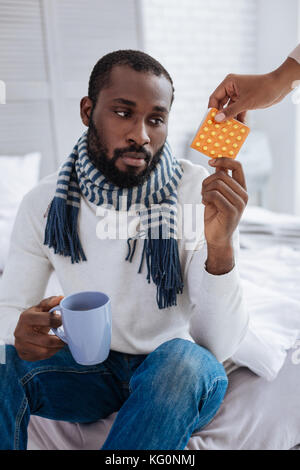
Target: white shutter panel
column 21, row 41
column 25, row 119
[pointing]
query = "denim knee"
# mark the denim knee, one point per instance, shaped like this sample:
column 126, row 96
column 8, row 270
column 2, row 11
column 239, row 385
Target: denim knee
column 179, row 366
column 190, row 356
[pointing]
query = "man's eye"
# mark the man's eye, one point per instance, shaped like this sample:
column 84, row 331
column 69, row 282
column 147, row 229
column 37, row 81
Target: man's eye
column 157, row 121
column 126, row 114
column 122, row 113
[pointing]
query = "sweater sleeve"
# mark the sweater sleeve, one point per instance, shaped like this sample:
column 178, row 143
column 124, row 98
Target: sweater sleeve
column 220, row 319
column 295, row 54
column 26, row 272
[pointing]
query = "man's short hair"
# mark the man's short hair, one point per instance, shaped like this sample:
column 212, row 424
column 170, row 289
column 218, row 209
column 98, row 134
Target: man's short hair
column 137, row 60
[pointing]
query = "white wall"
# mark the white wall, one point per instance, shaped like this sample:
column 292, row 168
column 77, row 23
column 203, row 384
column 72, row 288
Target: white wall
column 277, row 35
column 297, row 100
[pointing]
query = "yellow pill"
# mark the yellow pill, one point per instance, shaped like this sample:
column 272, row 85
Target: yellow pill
column 198, row 144
column 219, row 155
column 224, row 130
column 228, row 123
column 231, row 152
column 213, row 133
column 224, row 149
column 220, row 137
column 243, row 131
column 205, row 147
column 209, row 121
column 209, row 141
column 212, row 152
column 235, row 145
column 231, row 134
column 201, row 136
column 205, row 129
column 239, row 137
column 236, row 126
column 217, row 126
column 217, row 145
column 213, row 114
column 227, row 141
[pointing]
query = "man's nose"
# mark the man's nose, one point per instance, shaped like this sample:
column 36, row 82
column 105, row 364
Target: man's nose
column 138, row 133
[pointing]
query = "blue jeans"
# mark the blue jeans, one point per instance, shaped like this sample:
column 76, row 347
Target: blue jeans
column 162, row 397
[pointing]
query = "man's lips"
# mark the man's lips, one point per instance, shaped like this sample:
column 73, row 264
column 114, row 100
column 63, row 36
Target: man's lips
column 134, row 155
column 134, row 159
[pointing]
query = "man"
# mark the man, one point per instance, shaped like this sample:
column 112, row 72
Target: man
column 164, row 385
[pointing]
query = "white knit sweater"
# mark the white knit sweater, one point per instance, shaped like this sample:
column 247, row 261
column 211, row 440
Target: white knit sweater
column 211, row 307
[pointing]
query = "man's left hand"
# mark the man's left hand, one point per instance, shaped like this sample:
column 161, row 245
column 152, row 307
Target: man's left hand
column 225, row 198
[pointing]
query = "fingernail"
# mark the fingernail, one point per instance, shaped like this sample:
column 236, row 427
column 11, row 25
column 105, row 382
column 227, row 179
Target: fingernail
column 220, row 117
column 212, row 162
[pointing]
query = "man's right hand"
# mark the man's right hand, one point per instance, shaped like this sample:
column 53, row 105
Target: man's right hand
column 32, row 341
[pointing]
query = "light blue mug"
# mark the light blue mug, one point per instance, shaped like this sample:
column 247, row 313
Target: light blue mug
column 86, row 319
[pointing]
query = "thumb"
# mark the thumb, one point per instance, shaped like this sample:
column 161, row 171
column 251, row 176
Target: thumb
column 50, row 302
column 231, row 111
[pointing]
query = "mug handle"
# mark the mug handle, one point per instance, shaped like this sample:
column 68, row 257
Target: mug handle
column 58, row 332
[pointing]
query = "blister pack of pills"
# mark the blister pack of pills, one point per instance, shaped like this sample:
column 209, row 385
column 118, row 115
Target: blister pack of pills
column 220, row 139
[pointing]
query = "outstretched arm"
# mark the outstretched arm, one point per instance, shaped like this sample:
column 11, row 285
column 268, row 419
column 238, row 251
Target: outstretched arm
column 245, row 92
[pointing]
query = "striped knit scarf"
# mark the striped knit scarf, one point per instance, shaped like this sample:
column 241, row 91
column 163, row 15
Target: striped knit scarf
column 158, row 221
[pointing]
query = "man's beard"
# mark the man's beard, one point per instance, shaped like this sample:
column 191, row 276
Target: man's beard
column 98, row 155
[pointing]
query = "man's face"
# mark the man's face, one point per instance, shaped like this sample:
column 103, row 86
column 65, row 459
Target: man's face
column 128, row 126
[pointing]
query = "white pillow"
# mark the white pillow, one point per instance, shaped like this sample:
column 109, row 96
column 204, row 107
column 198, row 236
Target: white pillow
column 270, row 279
column 273, row 329
column 19, row 174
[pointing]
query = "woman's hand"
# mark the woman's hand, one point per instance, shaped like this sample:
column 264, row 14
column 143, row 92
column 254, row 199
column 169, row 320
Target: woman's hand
column 245, row 92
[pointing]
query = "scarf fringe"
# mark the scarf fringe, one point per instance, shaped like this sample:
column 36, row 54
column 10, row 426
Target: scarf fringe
column 61, row 230
column 163, row 267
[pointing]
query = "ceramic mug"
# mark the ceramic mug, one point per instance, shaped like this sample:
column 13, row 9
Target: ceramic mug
column 86, row 319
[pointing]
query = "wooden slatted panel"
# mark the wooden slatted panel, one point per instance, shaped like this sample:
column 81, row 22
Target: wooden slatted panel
column 22, row 55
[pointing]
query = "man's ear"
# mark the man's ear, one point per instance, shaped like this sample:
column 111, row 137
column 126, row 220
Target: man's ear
column 86, row 106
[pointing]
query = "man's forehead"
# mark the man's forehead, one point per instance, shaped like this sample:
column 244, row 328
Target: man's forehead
column 133, row 86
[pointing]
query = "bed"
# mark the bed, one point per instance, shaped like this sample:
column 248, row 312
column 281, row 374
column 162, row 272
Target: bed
column 261, row 407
